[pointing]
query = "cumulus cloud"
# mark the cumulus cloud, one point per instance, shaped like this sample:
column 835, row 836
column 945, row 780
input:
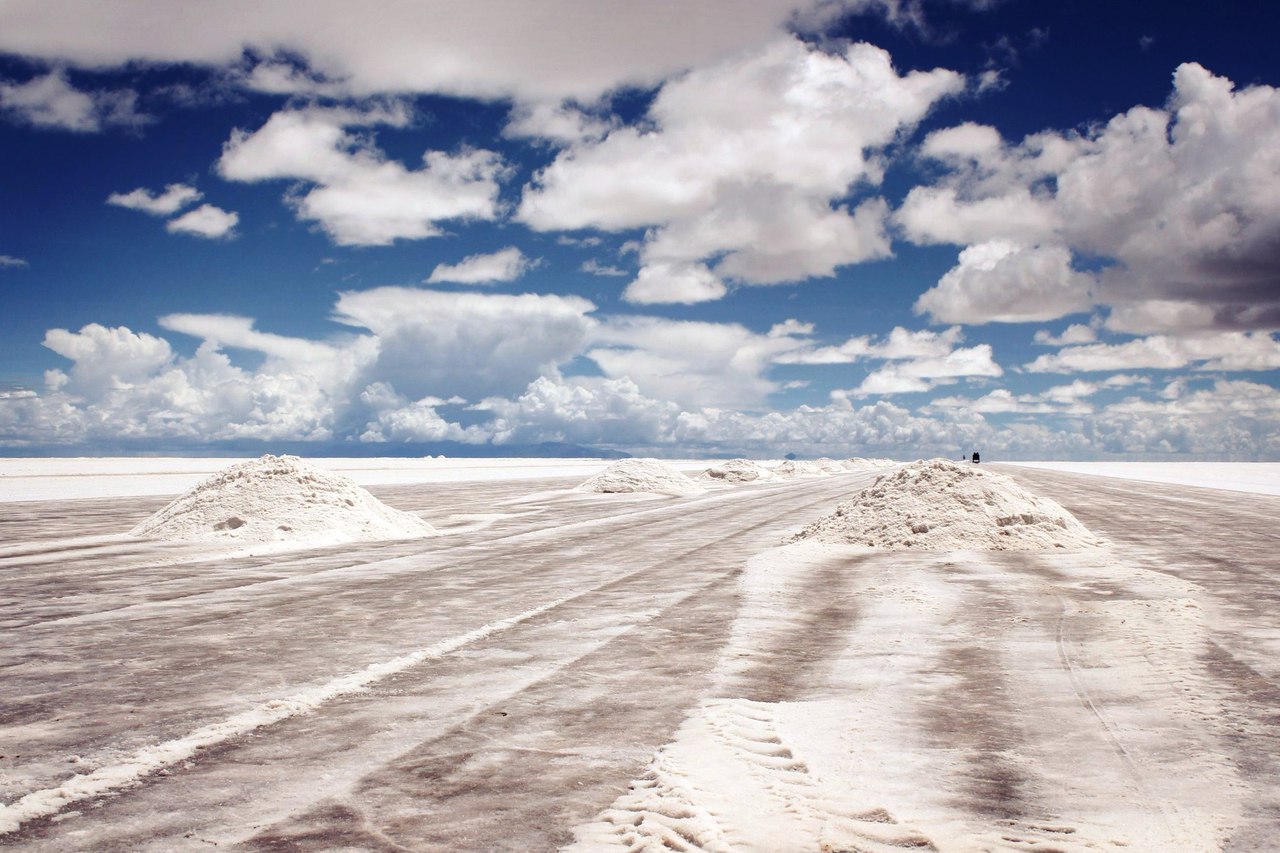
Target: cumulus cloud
column 1222, row 351
column 925, row 373
column 359, row 197
column 594, row 267
column 470, row 48
column 1001, row 281
column 174, row 198
column 504, row 265
column 1076, row 333
column 206, row 221
column 691, row 363
column 739, row 168
column 1179, row 203
column 51, row 102
column 470, row 345
column 684, row 283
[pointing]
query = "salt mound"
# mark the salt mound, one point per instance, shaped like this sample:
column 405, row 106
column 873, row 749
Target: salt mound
column 280, row 499
column 641, row 475
column 858, row 462
column 799, row 468
column 738, row 471
column 829, row 465
column 940, row 505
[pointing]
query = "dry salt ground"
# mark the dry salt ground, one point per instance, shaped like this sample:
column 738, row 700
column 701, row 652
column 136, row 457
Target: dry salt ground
column 280, row 499
column 641, row 475
column 739, row 471
column 940, row 505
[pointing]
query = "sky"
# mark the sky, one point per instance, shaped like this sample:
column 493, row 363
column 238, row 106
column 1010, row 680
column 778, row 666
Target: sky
column 823, row 227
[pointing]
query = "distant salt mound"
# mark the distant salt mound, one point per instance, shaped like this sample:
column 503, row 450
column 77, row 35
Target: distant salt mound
column 940, row 505
column 829, row 465
column 739, row 471
column 641, row 475
column 799, row 468
column 280, row 499
column 858, row 463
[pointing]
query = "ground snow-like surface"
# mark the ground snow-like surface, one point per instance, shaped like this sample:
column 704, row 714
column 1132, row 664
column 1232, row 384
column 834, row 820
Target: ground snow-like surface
column 641, row 475
column 645, row 674
column 1259, row 477
column 280, row 499
column 940, row 505
column 739, row 471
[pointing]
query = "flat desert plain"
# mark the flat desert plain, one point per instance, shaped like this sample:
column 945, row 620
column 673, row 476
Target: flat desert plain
column 564, row 670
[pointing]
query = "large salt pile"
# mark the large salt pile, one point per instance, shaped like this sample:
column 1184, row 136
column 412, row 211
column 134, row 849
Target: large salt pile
column 829, row 465
column 738, row 471
column 941, row 505
column 799, row 468
column 641, row 475
column 280, row 499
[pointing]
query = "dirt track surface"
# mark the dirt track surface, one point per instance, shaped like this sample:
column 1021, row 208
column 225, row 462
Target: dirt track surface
column 961, row 700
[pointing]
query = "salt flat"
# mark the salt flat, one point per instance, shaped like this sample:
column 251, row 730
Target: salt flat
column 640, row 672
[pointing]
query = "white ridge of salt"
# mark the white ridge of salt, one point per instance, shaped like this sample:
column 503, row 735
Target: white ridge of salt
column 150, row 759
column 829, row 465
column 940, row 505
column 800, row 468
column 281, row 499
column 641, row 475
column 738, row 471
column 856, row 463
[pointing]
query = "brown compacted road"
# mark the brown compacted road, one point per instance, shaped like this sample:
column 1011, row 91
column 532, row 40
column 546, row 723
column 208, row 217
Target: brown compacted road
column 535, row 657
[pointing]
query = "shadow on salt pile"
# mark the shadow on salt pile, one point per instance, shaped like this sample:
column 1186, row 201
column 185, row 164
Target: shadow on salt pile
column 940, row 505
column 280, row 499
column 641, row 475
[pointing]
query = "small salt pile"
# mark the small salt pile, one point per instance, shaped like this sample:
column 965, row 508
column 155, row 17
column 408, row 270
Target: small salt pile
column 940, row 505
column 857, row 463
column 739, row 471
column 829, row 465
column 280, row 499
column 641, row 475
column 799, row 468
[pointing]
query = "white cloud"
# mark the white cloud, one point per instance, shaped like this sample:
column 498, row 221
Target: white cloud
column 123, row 384
column 11, row 262
column 925, row 373
column 174, row 198
column 471, row 48
column 556, row 122
column 471, row 345
column 683, row 283
column 205, row 221
column 594, row 267
column 105, row 359
column 1000, row 281
column 504, row 265
column 692, row 363
column 1180, row 203
column 1076, row 333
column 51, row 102
column 361, row 198
column 744, row 164
column 1222, row 351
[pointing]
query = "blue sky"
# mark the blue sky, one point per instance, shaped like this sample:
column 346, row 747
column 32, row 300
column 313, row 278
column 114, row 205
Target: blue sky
column 830, row 227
